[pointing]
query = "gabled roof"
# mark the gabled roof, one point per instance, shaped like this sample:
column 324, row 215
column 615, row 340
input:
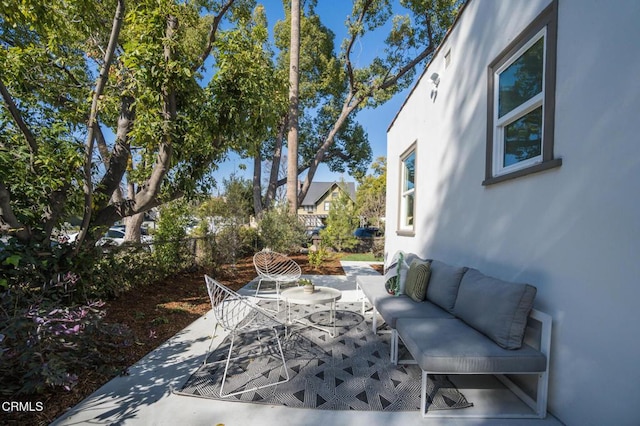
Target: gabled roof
column 317, row 190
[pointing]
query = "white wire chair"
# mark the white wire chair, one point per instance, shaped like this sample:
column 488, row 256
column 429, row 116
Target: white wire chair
column 237, row 315
column 276, row 267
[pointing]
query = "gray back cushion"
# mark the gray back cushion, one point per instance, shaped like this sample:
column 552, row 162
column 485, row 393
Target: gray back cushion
column 444, row 283
column 497, row 308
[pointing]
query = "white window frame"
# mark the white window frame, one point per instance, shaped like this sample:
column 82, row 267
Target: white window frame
column 544, row 25
column 404, row 228
column 518, row 112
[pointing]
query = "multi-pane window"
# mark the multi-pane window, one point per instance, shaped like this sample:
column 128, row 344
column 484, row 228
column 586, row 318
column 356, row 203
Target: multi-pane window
column 407, row 190
column 520, row 100
column 521, row 103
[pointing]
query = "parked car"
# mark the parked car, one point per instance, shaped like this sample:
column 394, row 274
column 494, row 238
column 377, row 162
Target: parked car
column 115, row 236
column 367, row 232
column 315, row 231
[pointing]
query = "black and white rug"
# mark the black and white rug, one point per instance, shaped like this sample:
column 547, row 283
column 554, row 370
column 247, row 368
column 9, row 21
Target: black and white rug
column 349, row 372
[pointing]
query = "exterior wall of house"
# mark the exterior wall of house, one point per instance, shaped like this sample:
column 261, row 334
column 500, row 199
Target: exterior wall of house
column 319, row 207
column 572, row 231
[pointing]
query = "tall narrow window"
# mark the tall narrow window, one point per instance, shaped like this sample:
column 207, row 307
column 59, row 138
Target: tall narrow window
column 521, row 103
column 407, row 191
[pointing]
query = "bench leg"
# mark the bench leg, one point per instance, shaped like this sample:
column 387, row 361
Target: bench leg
column 374, row 327
column 541, row 397
column 394, row 347
column 423, row 397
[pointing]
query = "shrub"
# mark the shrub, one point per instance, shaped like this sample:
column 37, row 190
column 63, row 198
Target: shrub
column 122, row 269
column 44, row 343
column 317, row 257
column 170, row 250
column 282, row 231
column 341, row 222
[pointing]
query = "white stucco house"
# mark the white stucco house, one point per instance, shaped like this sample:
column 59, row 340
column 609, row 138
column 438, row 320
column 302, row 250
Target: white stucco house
column 518, row 153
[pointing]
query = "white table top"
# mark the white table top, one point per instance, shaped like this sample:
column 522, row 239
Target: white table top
column 320, row 295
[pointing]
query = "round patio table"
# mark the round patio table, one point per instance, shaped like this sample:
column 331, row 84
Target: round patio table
column 321, row 296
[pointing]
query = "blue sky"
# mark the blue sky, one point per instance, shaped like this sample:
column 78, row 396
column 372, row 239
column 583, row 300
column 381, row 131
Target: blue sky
column 375, row 121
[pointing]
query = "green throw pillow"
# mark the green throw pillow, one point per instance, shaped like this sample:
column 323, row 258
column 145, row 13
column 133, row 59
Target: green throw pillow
column 418, row 280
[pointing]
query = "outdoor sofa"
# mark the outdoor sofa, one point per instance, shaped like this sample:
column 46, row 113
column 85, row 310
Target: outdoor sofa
column 468, row 323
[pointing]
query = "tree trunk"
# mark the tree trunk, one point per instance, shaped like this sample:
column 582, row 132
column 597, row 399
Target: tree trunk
column 132, row 230
column 274, row 175
column 292, row 140
column 257, row 187
column 8, row 220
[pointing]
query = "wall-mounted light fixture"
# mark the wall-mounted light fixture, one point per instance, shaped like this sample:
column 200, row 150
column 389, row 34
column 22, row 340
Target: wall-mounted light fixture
column 435, row 79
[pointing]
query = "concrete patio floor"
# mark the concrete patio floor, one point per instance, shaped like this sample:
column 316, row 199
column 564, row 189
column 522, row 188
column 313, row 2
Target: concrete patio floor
column 145, row 396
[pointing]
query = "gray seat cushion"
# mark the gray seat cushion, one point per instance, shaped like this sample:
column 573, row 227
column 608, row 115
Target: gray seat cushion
column 443, row 284
column 494, row 307
column 392, row 308
column 373, row 287
column 451, row 346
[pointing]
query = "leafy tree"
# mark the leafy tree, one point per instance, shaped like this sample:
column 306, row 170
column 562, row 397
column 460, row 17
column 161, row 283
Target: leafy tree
column 415, row 30
column 371, row 195
column 341, row 221
column 175, row 89
column 169, row 247
column 281, row 231
column 321, row 83
column 231, row 212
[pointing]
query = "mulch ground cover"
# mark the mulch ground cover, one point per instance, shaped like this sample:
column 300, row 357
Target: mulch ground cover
column 154, row 313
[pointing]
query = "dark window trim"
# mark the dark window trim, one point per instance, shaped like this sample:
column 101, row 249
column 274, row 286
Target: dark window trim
column 407, row 232
column 548, row 18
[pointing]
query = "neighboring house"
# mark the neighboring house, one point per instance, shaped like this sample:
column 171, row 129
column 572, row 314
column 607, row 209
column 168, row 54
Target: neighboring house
column 317, row 202
column 521, row 158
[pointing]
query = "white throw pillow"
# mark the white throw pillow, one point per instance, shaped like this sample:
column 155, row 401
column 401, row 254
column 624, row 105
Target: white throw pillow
column 396, row 273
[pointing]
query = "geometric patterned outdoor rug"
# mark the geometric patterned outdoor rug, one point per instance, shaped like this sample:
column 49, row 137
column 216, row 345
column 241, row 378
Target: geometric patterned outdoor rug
column 349, row 372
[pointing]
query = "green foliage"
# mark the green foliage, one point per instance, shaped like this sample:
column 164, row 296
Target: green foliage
column 323, row 83
column 281, row 231
column 317, row 257
column 372, row 194
column 341, row 222
column 362, row 257
column 45, row 345
column 235, row 205
column 122, row 269
column 50, row 327
column 417, row 26
column 49, row 64
column 170, row 251
column 30, row 266
column 230, row 212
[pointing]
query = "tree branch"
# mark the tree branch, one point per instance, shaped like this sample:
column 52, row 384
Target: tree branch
column 394, row 79
column 17, row 117
column 212, row 35
column 100, row 84
column 354, row 37
column 116, row 161
column 8, row 221
column 169, row 111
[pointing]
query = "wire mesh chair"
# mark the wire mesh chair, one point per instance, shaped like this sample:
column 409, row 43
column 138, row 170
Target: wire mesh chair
column 237, row 315
column 276, row 267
